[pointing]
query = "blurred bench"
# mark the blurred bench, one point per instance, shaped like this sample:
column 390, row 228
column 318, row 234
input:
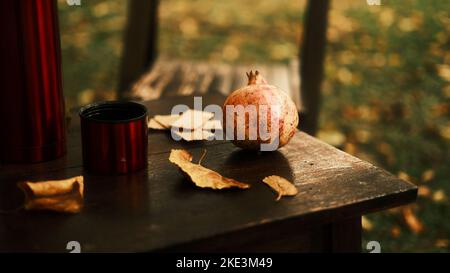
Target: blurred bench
column 144, row 76
column 172, row 77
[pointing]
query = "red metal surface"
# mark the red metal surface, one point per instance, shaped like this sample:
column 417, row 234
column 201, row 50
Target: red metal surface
column 31, row 98
column 114, row 137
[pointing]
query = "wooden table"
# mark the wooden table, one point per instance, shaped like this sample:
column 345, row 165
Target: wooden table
column 158, row 210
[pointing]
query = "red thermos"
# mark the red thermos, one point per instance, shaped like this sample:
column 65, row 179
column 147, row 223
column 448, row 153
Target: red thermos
column 32, row 105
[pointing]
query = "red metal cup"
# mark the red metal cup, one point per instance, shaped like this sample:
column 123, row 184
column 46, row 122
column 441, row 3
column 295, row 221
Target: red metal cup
column 31, row 99
column 114, row 137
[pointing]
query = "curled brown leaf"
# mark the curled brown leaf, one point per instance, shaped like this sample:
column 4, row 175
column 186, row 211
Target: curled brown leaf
column 282, row 186
column 56, row 195
column 201, row 176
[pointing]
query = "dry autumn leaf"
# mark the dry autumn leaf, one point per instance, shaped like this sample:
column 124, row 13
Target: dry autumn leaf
column 192, row 119
column 366, row 223
column 56, row 195
column 153, row 124
column 423, row 191
column 411, row 220
column 192, row 125
column 442, row 243
column 166, row 120
column 428, row 175
column 439, row 196
column 201, row 176
column 282, row 186
column 395, row 231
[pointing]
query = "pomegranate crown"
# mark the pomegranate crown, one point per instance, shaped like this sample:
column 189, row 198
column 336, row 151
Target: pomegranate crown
column 255, row 78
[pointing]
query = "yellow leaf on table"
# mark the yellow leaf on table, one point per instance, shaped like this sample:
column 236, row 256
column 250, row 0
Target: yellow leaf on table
column 201, row 176
column 190, row 126
column 192, row 119
column 153, row 124
column 166, row 120
column 56, row 195
column 282, row 186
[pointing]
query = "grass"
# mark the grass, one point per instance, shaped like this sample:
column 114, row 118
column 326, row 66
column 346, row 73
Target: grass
column 386, row 88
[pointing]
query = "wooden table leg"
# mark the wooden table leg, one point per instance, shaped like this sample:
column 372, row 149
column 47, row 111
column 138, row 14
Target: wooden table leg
column 346, row 235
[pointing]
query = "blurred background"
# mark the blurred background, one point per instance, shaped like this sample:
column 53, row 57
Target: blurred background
column 386, row 91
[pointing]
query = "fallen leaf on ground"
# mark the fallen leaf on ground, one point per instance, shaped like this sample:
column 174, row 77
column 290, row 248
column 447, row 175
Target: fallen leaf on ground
column 56, row 195
column 201, row 176
column 424, row 191
column 439, row 196
column 404, row 176
column 444, row 71
column 427, row 175
column 395, row 231
column 442, row 243
column 411, row 220
column 282, row 186
column 366, row 223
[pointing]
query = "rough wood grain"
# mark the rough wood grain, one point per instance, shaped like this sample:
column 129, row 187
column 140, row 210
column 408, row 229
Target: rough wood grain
column 157, row 209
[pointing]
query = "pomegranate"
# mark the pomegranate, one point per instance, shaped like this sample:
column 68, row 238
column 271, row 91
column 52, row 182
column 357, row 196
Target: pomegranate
column 280, row 110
